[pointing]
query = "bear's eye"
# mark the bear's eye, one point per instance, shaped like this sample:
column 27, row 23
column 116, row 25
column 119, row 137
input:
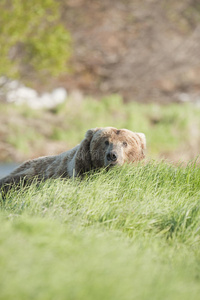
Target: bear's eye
column 124, row 144
column 106, row 143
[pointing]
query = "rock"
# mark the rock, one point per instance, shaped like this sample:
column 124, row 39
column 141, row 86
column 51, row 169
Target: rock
column 14, row 91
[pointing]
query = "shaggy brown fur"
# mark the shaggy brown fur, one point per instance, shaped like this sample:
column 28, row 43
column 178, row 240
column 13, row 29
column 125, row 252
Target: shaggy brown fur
column 101, row 147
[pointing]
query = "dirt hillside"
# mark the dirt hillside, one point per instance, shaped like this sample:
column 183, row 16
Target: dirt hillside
column 147, row 50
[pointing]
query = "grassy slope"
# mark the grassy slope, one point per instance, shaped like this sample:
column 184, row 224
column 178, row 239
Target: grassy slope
column 130, row 233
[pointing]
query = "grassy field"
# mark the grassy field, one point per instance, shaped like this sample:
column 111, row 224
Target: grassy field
column 172, row 131
column 129, row 233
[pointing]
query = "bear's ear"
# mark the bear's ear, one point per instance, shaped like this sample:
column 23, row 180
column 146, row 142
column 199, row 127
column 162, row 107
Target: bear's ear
column 89, row 134
column 142, row 139
column 83, row 161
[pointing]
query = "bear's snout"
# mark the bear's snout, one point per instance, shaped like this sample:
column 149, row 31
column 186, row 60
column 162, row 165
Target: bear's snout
column 112, row 156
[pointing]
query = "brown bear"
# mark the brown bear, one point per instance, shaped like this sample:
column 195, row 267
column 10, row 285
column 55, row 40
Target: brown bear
column 101, row 147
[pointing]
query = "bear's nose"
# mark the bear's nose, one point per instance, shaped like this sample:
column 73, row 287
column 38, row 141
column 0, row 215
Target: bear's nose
column 112, row 156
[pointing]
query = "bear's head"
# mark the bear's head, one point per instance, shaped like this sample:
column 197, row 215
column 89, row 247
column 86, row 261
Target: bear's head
column 107, row 147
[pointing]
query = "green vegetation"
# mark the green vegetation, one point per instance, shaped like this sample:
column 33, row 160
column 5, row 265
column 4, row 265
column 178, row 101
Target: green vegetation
column 31, row 36
column 129, row 233
column 167, row 128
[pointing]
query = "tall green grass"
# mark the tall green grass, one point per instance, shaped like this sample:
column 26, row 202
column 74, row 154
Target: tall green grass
column 129, row 233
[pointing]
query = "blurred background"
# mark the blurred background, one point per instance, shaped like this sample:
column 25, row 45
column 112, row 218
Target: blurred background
column 68, row 65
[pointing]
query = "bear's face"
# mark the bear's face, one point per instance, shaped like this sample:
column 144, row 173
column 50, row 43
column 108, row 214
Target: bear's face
column 110, row 146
